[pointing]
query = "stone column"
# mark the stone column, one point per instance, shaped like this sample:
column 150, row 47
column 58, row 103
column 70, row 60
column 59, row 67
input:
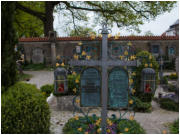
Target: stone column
column 52, row 39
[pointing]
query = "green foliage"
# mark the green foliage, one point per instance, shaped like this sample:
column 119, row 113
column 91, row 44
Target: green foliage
column 133, row 127
column 47, row 89
column 142, row 106
column 72, row 126
column 24, row 77
column 169, row 104
column 174, row 128
column 173, row 76
column 169, row 65
column 146, row 58
column 164, row 80
column 172, row 88
column 35, row 67
column 24, row 110
column 8, row 41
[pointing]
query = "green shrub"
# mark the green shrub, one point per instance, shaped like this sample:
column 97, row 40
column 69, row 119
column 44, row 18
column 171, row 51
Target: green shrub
column 47, row 89
column 24, row 110
column 133, row 127
column 174, row 127
column 173, row 76
column 24, row 77
column 169, row 65
column 172, row 88
column 35, row 67
column 169, row 104
column 142, row 106
column 73, row 125
column 165, row 80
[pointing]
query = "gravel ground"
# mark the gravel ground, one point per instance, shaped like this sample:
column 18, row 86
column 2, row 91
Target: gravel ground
column 154, row 122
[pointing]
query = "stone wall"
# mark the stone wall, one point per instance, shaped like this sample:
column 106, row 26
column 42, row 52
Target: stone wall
column 65, row 46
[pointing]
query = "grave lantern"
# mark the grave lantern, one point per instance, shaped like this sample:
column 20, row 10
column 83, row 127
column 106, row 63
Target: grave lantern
column 148, row 78
column 60, row 81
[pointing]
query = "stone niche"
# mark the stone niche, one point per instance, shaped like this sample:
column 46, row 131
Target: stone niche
column 37, row 56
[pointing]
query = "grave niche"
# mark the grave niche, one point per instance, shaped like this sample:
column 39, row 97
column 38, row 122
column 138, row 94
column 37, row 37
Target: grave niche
column 118, row 88
column 90, row 88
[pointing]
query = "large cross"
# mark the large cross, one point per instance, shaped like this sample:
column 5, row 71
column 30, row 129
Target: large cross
column 104, row 63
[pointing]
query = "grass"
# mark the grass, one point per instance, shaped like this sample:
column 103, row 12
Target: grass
column 174, row 127
column 34, row 67
column 24, row 77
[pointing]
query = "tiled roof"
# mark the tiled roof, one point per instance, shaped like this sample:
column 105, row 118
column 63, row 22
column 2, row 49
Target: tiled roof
column 37, row 39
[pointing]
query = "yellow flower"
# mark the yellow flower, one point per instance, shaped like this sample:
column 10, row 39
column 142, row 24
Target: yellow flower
column 150, row 57
column 146, row 65
column 76, row 117
column 126, row 53
column 74, row 90
column 93, row 36
column 79, row 43
column 109, row 35
column 110, row 123
column 133, row 91
column 121, row 57
column 97, row 123
column 57, row 64
column 77, row 81
column 130, row 81
column 131, row 117
column 44, row 93
column 88, row 57
column 133, row 57
column 85, row 132
column 150, row 65
column 164, row 132
column 58, row 57
column 133, row 73
column 83, row 53
column 116, row 37
column 129, row 43
column 77, row 101
column 98, row 130
column 131, row 101
column 80, row 129
column 126, row 129
column 62, row 64
column 74, row 73
column 75, row 57
column 108, row 130
column 100, row 36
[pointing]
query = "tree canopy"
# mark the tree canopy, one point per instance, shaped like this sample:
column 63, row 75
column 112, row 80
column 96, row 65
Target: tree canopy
column 127, row 14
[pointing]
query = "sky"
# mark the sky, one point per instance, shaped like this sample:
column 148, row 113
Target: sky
column 157, row 26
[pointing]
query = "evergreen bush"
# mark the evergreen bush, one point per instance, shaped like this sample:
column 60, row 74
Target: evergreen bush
column 47, row 89
column 142, row 106
column 24, row 110
column 174, row 128
column 169, row 104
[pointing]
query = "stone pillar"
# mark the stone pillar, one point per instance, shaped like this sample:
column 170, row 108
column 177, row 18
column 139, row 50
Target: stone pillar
column 52, row 39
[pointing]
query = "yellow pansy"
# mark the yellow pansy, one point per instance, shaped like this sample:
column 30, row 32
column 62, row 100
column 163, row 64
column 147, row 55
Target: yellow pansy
column 85, row 132
column 126, row 53
column 93, row 36
column 126, row 129
column 150, row 65
column 150, row 57
column 58, row 57
column 116, row 37
column 133, row 57
column 74, row 73
column 88, row 57
column 80, row 129
column 83, row 53
column 129, row 43
column 77, row 81
column 77, row 101
column 97, row 123
column 133, row 73
column 131, row 101
column 75, row 57
column 79, row 43
column 98, row 130
column 130, row 81
column 57, row 64
column 121, row 57
column 133, row 91
column 108, row 130
column 164, row 132
column 100, row 36
column 131, row 117
column 110, row 123
column 76, row 117
column 146, row 65
column 62, row 64
column 109, row 35
column 74, row 90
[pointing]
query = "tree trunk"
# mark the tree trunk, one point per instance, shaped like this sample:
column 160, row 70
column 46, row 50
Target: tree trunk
column 48, row 22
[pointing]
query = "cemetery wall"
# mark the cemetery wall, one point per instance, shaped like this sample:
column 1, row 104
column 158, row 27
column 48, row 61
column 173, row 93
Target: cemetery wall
column 64, row 46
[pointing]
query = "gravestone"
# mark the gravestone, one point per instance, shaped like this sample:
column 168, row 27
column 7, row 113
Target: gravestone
column 90, row 87
column 37, row 56
column 118, row 88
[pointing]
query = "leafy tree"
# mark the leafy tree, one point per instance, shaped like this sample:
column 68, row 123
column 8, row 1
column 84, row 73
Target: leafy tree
column 81, row 32
column 128, row 14
column 148, row 33
column 9, row 39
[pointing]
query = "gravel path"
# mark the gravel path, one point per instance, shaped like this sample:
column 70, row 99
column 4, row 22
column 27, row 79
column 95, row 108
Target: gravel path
column 154, row 122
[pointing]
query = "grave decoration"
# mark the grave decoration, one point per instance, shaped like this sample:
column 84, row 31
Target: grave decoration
column 148, row 78
column 60, row 81
column 92, row 94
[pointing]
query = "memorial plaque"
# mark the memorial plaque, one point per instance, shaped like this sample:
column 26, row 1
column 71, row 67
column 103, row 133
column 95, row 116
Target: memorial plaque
column 90, row 88
column 118, row 88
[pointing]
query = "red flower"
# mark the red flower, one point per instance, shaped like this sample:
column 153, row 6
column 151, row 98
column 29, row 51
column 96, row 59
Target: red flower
column 148, row 89
column 61, row 88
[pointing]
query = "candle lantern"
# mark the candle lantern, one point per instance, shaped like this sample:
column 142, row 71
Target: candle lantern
column 148, row 77
column 60, row 80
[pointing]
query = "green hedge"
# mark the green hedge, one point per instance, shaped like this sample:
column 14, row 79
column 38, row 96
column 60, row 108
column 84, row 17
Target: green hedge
column 142, row 106
column 47, row 89
column 174, row 127
column 24, row 110
column 169, row 104
column 81, row 126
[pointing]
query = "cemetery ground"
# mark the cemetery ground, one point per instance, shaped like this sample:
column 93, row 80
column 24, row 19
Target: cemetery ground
column 153, row 123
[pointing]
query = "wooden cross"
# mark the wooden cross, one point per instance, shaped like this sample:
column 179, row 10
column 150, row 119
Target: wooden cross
column 104, row 63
